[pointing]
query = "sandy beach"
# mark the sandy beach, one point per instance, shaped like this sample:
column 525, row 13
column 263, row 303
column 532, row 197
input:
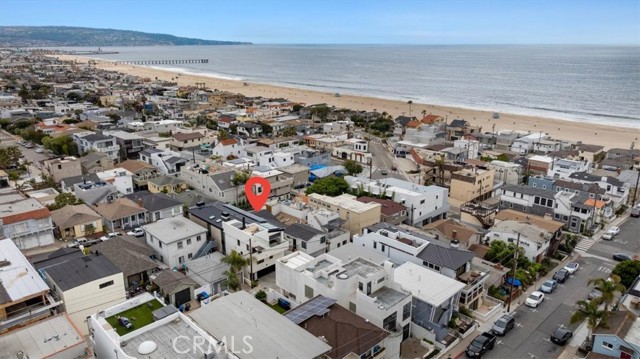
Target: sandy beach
column 605, row 135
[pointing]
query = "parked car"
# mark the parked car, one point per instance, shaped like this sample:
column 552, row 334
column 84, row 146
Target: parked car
column 548, row 286
column 607, row 236
column 534, row 299
column 38, row 150
column 83, row 242
column 594, row 294
column 572, row 267
column 614, row 231
column 635, row 212
column 108, row 236
column 503, row 325
column 561, row 335
column 394, row 168
column 138, row 232
column 561, row 276
column 621, row 257
column 384, row 172
column 28, row 145
column 481, row 344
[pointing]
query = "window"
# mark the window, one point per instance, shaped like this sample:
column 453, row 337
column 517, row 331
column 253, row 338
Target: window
column 368, row 288
column 375, row 245
column 238, row 242
column 381, row 247
column 352, row 307
column 607, row 345
column 406, row 311
column 323, row 240
column 422, row 202
column 188, row 241
column 106, row 284
column 198, row 238
column 180, row 245
column 190, row 255
column 303, row 245
column 159, row 243
column 361, row 286
column 389, row 323
column 181, row 259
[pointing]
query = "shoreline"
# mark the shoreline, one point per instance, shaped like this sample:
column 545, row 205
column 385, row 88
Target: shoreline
column 609, row 136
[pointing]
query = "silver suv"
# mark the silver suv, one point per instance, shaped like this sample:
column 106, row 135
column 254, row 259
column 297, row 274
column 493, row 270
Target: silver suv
column 503, row 325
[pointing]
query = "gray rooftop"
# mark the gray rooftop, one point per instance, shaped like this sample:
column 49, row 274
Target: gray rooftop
column 212, row 214
column 223, row 180
column 302, row 231
column 173, row 229
column 153, row 202
column 70, row 181
column 531, row 191
column 81, row 270
column 388, row 297
column 274, row 336
column 445, row 256
column 96, row 137
column 583, row 176
column 52, row 337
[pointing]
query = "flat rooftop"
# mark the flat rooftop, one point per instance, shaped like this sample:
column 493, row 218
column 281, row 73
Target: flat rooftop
column 388, row 297
column 173, row 229
column 164, row 337
column 43, row 339
column 18, row 278
column 361, row 267
column 421, row 283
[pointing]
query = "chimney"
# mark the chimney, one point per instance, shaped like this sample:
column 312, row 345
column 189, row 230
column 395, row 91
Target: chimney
column 455, row 243
column 224, row 215
column 84, row 181
column 454, row 235
column 244, row 222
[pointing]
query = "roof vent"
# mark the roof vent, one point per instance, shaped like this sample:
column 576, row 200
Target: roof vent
column 4, row 263
column 455, row 243
column 225, row 215
column 200, row 204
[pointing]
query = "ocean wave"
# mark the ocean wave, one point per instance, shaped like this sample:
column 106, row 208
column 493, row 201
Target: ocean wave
column 187, row 71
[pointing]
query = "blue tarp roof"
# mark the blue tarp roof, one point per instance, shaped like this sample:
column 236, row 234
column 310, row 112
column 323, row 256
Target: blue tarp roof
column 516, row 282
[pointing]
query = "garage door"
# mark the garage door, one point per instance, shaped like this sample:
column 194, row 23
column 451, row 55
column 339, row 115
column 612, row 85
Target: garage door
column 183, row 296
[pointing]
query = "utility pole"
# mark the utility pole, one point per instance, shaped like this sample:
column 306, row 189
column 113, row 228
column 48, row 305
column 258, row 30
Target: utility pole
column 513, row 274
column 250, row 261
column 635, row 193
column 371, row 168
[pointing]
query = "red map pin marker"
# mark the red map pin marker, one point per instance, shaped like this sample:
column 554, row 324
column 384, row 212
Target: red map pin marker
column 257, row 190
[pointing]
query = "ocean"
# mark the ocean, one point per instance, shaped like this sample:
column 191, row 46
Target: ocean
column 598, row 84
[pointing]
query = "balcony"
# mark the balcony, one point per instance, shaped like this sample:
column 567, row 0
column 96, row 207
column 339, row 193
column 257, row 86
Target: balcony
column 473, row 279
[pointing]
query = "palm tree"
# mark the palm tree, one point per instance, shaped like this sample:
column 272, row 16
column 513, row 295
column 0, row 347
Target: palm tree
column 236, row 264
column 608, row 288
column 424, row 113
column 590, row 311
column 409, row 103
column 440, row 165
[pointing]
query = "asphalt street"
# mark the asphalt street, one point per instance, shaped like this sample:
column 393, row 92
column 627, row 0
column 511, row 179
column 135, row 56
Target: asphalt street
column 627, row 241
column 534, row 326
column 7, row 139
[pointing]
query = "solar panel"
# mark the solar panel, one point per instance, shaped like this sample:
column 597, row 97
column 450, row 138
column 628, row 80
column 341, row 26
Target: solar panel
column 317, row 306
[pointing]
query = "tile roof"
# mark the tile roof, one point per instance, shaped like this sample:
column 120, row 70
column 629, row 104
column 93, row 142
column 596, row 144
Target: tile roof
column 413, row 124
column 120, row 208
column 229, row 141
column 69, row 216
column 19, row 217
column 429, row 119
column 184, row 136
column 447, row 226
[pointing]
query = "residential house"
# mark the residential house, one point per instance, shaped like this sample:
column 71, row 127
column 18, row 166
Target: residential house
column 306, row 239
column 228, row 147
column 95, row 192
column 249, row 129
column 617, row 190
column 46, row 196
column 211, row 215
column 158, row 143
column 132, row 256
column 121, row 213
column 310, row 157
column 25, row 298
column 217, row 184
column 130, row 144
column 353, row 149
column 431, row 310
column 357, row 215
column 548, row 224
column 528, row 199
column 298, row 173
column 458, row 129
column 76, row 221
column 96, row 162
column 141, row 172
column 167, row 184
column 280, row 182
column 471, row 184
column 240, row 315
column 118, row 177
column 390, row 212
column 450, row 230
column 359, row 338
column 169, row 324
column 539, row 165
column 471, row 148
column 209, row 272
column 325, row 142
column 589, row 153
column 60, row 168
column 525, row 144
column 261, row 243
column 533, row 239
column 337, row 127
column 89, row 141
column 175, row 287
column 562, row 168
column 86, row 285
column 168, row 163
column 356, row 279
column 620, row 338
column 157, row 205
column 506, row 172
column 424, row 203
column 176, row 239
column 67, row 184
column 26, row 221
column 187, row 140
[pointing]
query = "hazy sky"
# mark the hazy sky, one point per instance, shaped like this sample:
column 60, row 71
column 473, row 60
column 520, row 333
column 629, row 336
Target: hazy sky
column 349, row 21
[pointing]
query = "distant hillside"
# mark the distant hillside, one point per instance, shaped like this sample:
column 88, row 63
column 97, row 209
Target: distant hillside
column 36, row 36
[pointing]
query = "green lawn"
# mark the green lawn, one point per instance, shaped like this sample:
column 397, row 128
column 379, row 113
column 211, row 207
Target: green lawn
column 138, row 316
column 276, row 307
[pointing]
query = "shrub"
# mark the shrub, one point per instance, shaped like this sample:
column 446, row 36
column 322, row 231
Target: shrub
column 261, row 295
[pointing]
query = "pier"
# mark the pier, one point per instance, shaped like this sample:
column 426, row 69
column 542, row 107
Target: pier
column 163, row 62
